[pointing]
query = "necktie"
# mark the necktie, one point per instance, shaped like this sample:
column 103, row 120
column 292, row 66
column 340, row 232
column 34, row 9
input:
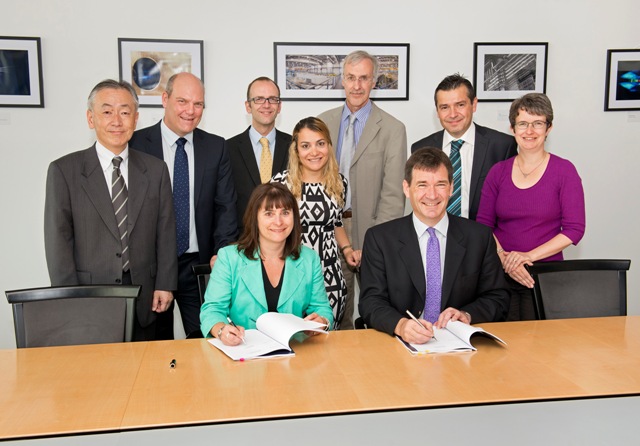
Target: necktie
column 266, row 162
column 181, row 196
column 455, row 202
column 434, row 285
column 119, row 198
column 346, row 154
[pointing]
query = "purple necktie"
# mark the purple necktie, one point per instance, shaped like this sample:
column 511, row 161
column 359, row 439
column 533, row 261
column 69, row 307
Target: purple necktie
column 434, row 286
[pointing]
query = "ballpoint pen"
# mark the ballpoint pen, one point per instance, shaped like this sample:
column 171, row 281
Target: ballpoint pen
column 235, row 326
column 416, row 319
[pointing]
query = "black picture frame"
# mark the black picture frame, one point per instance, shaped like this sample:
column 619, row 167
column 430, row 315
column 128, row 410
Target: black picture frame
column 147, row 64
column 503, row 72
column 622, row 87
column 21, row 73
column 312, row 71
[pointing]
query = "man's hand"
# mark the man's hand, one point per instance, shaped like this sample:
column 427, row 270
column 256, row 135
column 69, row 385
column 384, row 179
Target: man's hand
column 452, row 314
column 161, row 301
column 414, row 332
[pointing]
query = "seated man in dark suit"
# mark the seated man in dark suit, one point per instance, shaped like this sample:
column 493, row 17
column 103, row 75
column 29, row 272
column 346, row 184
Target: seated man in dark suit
column 473, row 149
column 431, row 263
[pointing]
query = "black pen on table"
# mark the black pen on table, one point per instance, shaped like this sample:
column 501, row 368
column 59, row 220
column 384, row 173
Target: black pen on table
column 235, row 326
column 416, row 319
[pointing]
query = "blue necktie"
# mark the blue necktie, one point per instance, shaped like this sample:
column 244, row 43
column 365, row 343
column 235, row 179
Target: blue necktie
column 434, row 281
column 181, row 196
column 455, row 202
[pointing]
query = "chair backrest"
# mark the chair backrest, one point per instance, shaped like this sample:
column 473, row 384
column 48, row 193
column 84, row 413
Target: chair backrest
column 202, row 273
column 580, row 288
column 73, row 315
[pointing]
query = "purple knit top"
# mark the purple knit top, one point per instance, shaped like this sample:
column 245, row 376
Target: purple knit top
column 523, row 219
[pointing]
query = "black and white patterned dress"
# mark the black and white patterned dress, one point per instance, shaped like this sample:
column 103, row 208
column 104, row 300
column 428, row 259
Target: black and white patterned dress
column 319, row 215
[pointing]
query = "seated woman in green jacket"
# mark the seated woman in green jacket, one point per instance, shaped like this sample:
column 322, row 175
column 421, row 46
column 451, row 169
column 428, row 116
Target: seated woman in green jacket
column 267, row 270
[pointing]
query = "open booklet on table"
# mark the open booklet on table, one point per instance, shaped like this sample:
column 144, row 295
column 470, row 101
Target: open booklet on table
column 455, row 337
column 270, row 338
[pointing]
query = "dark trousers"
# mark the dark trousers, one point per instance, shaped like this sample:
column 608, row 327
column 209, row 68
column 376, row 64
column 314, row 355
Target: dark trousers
column 188, row 299
column 140, row 333
column 521, row 307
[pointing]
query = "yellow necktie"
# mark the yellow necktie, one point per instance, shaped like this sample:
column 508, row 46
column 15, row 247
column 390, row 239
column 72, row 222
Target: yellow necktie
column 266, row 163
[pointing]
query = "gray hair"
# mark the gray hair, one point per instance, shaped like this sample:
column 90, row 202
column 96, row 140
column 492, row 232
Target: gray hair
column 357, row 57
column 110, row 84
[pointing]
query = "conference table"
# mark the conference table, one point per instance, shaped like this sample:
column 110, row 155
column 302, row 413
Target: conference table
column 576, row 379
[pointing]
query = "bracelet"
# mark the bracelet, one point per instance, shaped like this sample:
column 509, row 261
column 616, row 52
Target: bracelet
column 345, row 247
column 500, row 250
column 220, row 332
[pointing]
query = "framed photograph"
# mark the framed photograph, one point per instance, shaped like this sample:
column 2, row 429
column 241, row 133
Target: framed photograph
column 147, row 64
column 622, row 89
column 21, row 72
column 503, row 72
column 313, row 71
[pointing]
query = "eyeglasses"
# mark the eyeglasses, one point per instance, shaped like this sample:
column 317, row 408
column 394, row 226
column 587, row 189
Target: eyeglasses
column 260, row 100
column 537, row 125
column 352, row 79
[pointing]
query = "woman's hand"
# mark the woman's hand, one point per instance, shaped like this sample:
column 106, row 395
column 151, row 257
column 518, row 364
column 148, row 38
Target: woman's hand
column 231, row 335
column 514, row 260
column 353, row 257
column 314, row 317
column 522, row 276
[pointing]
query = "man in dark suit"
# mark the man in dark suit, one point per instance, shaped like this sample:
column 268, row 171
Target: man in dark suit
column 203, row 191
column 478, row 148
column 246, row 149
column 108, row 211
column 431, row 263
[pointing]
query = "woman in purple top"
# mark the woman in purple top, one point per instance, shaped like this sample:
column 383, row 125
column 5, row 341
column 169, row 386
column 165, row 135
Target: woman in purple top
column 534, row 202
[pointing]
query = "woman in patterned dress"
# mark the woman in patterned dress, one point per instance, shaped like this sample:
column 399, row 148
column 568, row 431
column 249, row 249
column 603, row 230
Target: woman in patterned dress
column 320, row 189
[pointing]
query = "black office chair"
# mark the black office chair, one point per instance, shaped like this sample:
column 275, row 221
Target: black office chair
column 202, row 273
column 73, row 315
column 580, row 288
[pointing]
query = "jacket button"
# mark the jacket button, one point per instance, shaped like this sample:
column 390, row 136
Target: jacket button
column 118, row 254
column 118, row 280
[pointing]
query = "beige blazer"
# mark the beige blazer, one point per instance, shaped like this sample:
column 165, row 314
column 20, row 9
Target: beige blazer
column 377, row 170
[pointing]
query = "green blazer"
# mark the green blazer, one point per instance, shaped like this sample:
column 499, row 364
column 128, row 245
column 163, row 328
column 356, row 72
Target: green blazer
column 236, row 289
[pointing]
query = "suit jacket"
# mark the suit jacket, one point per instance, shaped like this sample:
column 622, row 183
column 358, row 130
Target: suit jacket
column 82, row 241
column 236, row 289
column 393, row 279
column 377, row 170
column 491, row 147
column 246, row 173
column 214, row 193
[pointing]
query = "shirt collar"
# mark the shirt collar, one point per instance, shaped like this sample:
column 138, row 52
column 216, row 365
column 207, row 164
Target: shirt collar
column 105, row 156
column 469, row 136
column 255, row 136
column 360, row 114
column 441, row 227
column 170, row 137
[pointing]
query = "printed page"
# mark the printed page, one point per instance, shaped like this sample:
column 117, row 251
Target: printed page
column 256, row 345
column 282, row 326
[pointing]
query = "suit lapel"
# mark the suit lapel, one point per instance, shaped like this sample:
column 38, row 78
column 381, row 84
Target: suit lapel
column 96, row 188
column 250, row 272
column 280, row 154
column 137, row 187
column 293, row 277
column 371, row 129
column 453, row 258
column 154, row 138
column 480, row 151
column 249, row 158
column 410, row 255
column 199, row 163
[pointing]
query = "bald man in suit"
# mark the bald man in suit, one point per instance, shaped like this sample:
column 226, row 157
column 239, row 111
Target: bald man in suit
column 85, row 242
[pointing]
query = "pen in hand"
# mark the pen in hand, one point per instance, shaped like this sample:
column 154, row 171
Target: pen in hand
column 235, row 326
column 416, row 319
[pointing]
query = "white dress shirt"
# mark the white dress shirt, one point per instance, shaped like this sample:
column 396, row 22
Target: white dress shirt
column 466, row 159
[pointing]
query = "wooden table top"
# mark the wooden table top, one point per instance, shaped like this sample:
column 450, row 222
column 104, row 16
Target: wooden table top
column 128, row 386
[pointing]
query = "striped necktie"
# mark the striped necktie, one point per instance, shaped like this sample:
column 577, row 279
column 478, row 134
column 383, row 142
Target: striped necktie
column 119, row 198
column 455, row 202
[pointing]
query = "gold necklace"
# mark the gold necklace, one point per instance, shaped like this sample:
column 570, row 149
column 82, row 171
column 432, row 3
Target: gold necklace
column 532, row 170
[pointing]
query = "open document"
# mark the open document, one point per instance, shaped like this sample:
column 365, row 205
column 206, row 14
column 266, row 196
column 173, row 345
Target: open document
column 270, row 338
column 455, row 337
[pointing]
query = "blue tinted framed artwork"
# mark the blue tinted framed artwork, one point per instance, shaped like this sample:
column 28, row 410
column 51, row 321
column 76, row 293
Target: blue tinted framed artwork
column 622, row 88
column 147, row 64
column 21, row 72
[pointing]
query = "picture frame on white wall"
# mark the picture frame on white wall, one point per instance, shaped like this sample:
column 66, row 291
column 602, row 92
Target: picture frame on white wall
column 147, row 64
column 313, row 71
column 622, row 87
column 506, row 71
column 21, row 72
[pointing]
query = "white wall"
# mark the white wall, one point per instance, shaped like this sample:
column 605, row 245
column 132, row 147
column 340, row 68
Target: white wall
column 79, row 44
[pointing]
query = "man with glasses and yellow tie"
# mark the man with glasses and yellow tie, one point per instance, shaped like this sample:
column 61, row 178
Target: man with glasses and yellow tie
column 261, row 150
column 203, row 192
column 371, row 148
